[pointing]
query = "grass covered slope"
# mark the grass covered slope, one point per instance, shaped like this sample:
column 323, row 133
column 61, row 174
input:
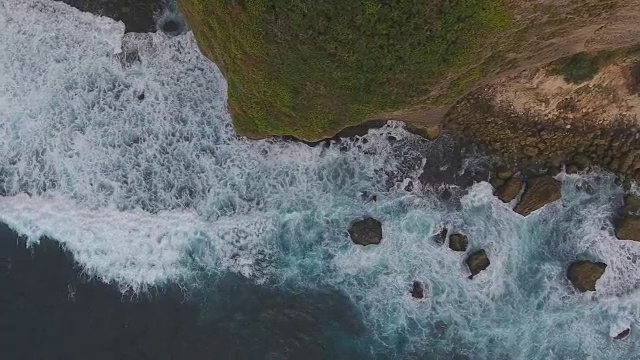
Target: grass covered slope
column 309, row 68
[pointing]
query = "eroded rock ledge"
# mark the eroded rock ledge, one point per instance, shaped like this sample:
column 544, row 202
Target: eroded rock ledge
column 538, row 116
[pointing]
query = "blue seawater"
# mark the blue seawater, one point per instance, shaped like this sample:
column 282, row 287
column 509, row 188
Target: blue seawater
column 120, row 147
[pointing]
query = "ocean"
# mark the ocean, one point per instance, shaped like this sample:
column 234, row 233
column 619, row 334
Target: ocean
column 140, row 226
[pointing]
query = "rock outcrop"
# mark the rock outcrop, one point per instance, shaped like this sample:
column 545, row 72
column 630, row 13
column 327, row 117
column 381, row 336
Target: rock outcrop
column 417, row 290
column 441, row 236
column 537, row 116
column 366, row 232
column 477, row 262
column 458, row 242
column 509, row 190
column 137, row 16
column 628, row 228
column 623, row 334
column 539, row 192
column 631, row 205
column 584, row 274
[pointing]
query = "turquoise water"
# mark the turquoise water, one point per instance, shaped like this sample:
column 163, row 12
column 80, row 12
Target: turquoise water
column 160, row 190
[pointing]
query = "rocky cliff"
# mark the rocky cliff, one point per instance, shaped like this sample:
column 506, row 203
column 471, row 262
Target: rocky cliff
column 311, row 68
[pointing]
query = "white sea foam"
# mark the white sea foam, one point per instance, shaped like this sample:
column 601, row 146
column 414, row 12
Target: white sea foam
column 155, row 188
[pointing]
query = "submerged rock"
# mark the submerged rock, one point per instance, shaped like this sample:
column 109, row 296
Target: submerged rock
column 509, row 190
column 458, row 242
column 539, row 192
column 628, row 228
column 584, row 274
column 440, row 327
column 366, row 232
column 477, row 262
column 417, row 290
column 623, row 334
column 441, row 236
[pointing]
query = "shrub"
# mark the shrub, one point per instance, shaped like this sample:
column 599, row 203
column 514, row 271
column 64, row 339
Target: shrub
column 580, row 67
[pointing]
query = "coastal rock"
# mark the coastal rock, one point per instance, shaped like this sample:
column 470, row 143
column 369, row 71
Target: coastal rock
column 581, row 161
column 504, row 173
column 539, row 192
column 631, row 204
column 366, row 232
column 623, row 334
column 441, row 236
column 628, row 228
column 509, row 190
column 584, row 274
column 427, row 132
column 572, row 169
column 417, row 290
column 585, row 186
column 137, row 16
column 477, row 262
column 458, row 242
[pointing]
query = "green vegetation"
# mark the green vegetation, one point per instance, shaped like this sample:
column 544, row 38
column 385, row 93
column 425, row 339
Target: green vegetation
column 635, row 78
column 308, row 68
column 580, row 67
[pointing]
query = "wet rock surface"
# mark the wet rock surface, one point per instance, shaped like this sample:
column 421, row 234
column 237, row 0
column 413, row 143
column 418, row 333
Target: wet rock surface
column 137, row 15
column 455, row 163
column 539, row 191
column 477, row 262
column 509, row 190
column 441, row 236
column 417, row 290
column 366, row 232
column 584, row 274
column 458, row 242
column 628, row 228
column 524, row 138
column 623, row 334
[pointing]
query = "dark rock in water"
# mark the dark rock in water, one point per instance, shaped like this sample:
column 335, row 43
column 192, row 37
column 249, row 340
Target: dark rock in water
column 170, row 26
column 366, row 232
column 454, row 163
column 539, row 192
column 137, row 15
column 572, row 169
column 441, row 237
column 477, row 262
column 622, row 334
column 584, row 274
column 409, row 187
column 440, row 327
column 458, row 242
column 628, row 228
column 367, row 196
column 417, row 290
column 509, row 190
column 585, row 187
